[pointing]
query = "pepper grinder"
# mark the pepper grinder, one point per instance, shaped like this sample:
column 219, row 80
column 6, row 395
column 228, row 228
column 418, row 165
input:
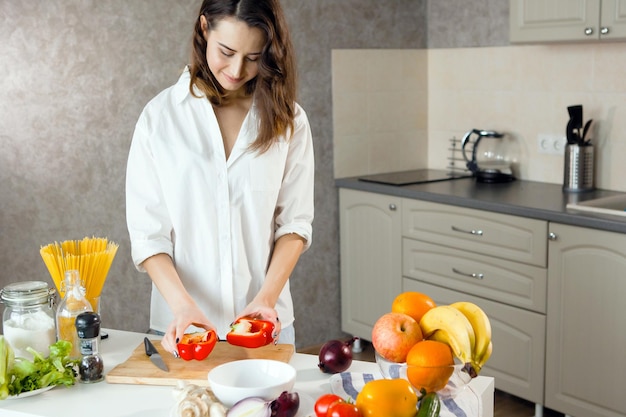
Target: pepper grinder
column 91, row 366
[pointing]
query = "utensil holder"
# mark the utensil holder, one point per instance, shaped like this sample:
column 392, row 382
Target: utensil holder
column 578, row 172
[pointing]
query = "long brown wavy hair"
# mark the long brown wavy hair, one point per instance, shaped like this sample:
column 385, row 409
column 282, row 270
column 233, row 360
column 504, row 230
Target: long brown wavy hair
column 274, row 88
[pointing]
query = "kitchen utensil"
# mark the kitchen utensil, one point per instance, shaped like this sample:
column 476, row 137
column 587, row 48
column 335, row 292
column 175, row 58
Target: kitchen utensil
column 138, row 369
column 571, row 133
column 576, row 114
column 154, row 355
column 492, row 163
column 586, row 131
column 578, row 168
column 574, row 132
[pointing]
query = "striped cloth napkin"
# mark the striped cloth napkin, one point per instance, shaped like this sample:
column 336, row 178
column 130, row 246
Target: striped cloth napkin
column 454, row 403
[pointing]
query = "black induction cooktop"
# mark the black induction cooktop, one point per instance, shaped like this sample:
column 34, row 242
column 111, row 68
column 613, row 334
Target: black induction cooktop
column 417, row 176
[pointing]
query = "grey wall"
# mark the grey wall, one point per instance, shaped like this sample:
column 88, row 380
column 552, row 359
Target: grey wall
column 319, row 26
column 467, row 23
column 74, row 77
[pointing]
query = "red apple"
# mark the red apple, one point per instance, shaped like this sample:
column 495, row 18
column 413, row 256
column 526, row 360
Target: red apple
column 394, row 334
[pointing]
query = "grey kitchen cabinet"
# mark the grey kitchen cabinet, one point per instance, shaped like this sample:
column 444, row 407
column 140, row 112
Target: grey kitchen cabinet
column 497, row 261
column 554, row 292
column 586, row 319
column 370, row 263
column 567, row 20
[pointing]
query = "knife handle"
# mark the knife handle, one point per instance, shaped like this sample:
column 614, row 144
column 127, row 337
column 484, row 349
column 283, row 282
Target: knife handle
column 150, row 349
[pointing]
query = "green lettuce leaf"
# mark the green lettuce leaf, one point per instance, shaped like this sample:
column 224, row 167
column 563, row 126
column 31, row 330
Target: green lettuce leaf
column 41, row 372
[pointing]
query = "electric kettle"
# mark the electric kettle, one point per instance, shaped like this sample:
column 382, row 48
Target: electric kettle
column 488, row 159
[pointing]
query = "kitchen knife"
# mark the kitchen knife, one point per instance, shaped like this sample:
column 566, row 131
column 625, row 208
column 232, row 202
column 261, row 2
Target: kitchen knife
column 154, row 355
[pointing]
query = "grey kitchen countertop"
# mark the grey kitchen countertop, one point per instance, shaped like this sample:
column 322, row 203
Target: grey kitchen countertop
column 530, row 199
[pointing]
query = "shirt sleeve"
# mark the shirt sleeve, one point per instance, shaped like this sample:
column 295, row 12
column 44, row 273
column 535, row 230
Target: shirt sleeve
column 295, row 208
column 148, row 220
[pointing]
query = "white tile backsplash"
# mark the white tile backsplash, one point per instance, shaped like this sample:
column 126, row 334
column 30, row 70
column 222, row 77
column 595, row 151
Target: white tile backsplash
column 405, row 105
column 379, row 111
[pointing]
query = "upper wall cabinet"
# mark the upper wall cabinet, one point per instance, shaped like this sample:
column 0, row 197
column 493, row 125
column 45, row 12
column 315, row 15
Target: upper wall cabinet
column 567, row 20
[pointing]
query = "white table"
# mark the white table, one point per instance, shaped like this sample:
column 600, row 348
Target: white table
column 117, row 400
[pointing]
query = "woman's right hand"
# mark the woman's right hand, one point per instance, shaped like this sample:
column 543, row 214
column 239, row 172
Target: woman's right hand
column 186, row 313
column 189, row 316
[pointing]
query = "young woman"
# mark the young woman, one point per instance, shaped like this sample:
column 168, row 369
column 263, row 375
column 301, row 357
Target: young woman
column 219, row 187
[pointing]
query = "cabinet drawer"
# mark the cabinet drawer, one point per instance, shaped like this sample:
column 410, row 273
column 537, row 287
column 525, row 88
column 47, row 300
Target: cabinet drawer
column 512, row 283
column 504, row 236
column 518, row 336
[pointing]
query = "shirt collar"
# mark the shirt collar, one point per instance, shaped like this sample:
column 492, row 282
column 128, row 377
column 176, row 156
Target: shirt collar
column 181, row 92
column 181, row 88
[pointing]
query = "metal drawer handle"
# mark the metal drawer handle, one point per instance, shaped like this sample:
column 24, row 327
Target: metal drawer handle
column 470, row 232
column 465, row 274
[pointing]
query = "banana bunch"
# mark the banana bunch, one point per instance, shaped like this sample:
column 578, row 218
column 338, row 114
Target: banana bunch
column 465, row 328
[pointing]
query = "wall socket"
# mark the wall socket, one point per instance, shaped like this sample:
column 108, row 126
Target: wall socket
column 551, row 144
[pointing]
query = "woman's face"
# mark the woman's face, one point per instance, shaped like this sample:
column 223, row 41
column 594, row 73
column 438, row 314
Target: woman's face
column 233, row 52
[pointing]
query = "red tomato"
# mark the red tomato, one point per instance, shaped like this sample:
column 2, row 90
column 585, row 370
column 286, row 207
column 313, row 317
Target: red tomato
column 324, row 402
column 343, row 409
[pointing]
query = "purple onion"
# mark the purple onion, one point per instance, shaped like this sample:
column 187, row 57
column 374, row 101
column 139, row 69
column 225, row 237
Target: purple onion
column 250, row 407
column 286, row 405
column 336, row 356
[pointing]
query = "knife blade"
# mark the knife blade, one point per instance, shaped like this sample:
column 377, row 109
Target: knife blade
column 154, row 355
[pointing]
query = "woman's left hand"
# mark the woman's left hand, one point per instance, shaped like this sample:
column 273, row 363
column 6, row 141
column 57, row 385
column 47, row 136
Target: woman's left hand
column 263, row 312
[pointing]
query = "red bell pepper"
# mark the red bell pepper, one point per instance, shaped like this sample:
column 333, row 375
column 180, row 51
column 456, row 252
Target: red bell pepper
column 250, row 332
column 196, row 345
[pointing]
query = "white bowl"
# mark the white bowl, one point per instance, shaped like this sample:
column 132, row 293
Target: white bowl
column 263, row 378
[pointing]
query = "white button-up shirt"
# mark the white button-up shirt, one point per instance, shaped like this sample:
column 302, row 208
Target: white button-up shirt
column 217, row 218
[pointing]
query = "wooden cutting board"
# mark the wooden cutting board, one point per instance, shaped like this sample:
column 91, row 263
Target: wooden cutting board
column 139, row 370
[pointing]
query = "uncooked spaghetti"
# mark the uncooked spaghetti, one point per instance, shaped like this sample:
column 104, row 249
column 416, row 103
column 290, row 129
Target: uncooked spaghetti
column 92, row 257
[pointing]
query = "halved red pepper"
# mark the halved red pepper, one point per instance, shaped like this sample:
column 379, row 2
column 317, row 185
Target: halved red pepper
column 250, row 332
column 196, row 345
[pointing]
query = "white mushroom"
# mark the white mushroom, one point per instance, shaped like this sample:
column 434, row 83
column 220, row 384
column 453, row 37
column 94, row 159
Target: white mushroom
column 195, row 401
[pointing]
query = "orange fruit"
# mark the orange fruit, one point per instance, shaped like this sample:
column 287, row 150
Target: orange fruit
column 429, row 365
column 413, row 303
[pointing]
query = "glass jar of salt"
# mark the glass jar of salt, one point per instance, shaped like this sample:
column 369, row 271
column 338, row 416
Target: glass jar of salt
column 28, row 318
column 91, row 366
